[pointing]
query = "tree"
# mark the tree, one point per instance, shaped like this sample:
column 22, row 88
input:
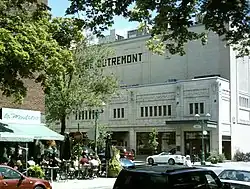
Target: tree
column 84, row 87
column 27, row 47
column 169, row 20
column 153, row 137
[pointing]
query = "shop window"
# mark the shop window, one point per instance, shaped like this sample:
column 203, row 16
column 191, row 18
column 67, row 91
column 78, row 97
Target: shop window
column 151, row 111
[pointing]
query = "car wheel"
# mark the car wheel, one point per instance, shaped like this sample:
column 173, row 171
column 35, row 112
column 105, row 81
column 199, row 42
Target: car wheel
column 150, row 161
column 171, row 162
column 39, row 187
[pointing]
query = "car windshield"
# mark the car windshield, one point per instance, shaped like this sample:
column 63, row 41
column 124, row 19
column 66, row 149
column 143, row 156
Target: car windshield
column 236, row 175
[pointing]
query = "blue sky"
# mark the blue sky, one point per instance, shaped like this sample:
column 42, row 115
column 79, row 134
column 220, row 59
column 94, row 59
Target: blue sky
column 121, row 25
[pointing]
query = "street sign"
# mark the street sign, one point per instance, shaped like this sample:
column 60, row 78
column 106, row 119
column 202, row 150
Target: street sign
column 197, row 126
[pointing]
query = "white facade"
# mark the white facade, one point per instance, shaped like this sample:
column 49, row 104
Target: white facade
column 222, row 84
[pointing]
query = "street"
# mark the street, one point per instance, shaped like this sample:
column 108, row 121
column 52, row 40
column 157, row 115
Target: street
column 100, row 183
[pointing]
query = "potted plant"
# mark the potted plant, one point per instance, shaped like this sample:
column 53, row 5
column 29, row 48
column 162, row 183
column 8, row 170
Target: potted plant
column 114, row 165
column 36, row 171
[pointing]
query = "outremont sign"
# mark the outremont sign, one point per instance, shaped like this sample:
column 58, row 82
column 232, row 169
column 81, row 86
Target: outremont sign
column 125, row 59
column 10, row 115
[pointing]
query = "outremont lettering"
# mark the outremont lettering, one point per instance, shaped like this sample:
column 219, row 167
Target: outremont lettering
column 126, row 59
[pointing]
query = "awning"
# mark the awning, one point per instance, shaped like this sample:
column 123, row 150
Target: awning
column 12, row 137
column 37, row 131
column 8, row 135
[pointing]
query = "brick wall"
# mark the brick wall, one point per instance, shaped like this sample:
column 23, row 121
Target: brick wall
column 33, row 101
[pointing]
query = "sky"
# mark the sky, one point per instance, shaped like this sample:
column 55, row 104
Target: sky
column 121, row 25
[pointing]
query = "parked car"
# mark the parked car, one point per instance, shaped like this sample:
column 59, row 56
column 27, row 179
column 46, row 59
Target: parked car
column 126, row 153
column 239, row 177
column 166, row 157
column 168, row 177
column 127, row 163
column 11, row 178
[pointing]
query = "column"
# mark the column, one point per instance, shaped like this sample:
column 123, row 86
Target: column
column 132, row 139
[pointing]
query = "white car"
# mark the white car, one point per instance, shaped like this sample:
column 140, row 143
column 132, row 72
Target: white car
column 166, row 157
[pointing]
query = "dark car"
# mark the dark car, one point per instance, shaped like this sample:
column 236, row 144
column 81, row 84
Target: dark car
column 11, row 178
column 163, row 177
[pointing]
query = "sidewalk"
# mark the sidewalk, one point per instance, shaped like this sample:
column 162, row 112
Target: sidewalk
column 104, row 183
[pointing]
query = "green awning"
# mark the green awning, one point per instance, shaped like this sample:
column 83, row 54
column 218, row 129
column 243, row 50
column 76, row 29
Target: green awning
column 37, row 131
column 12, row 137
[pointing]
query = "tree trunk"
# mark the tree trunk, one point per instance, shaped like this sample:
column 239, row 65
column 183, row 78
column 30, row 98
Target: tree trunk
column 63, row 124
column 63, row 128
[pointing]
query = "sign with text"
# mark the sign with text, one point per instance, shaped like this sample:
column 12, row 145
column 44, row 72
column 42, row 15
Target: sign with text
column 10, row 115
column 125, row 59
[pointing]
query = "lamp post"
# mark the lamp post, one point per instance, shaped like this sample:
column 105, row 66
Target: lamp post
column 97, row 113
column 197, row 116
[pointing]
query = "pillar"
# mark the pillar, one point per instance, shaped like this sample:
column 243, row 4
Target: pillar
column 132, row 139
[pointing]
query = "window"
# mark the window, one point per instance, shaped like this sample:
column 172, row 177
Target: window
column 122, row 109
column 75, row 115
column 142, row 111
column 160, row 110
column 82, row 114
column 201, row 108
column 8, row 173
column 114, row 113
column 93, row 114
column 90, row 114
column 244, row 102
column 118, row 113
column 155, row 110
column 151, row 111
column 169, row 110
column 146, row 111
column 191, row 108
column 86, row 114
column 196, row 108
column 164, row 110
column 79, row 115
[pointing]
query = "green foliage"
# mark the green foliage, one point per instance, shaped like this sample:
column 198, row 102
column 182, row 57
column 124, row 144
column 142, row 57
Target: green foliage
column 36, row 171
column 215, row 157
column 114, row 166
column 153, row 143
column 28, row 49
column 169, row 20
column 239, row 156
column 86, row 85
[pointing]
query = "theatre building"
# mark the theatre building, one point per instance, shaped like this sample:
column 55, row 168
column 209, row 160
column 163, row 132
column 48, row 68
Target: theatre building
column 166, row 92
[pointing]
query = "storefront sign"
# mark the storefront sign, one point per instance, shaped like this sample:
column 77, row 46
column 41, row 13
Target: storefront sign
column 126, row 59
column 10, row 115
